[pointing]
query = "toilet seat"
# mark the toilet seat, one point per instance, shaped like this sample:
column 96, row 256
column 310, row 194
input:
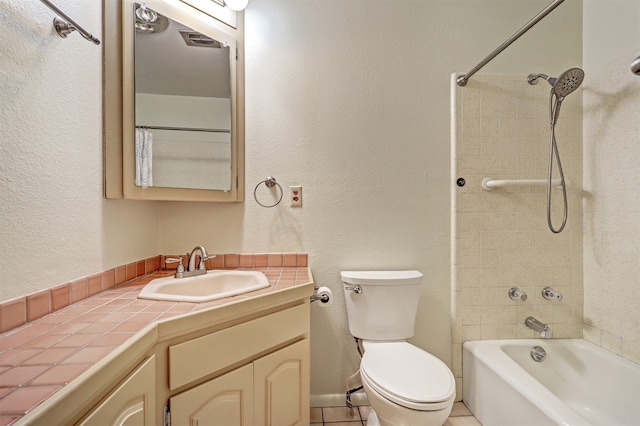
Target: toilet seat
column 407, row 375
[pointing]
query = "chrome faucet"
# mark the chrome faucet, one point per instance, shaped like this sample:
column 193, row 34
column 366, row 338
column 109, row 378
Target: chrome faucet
column 191, row 266
column 543, row 329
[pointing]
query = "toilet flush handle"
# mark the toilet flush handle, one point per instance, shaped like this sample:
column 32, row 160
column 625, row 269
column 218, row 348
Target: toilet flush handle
column 355, row 288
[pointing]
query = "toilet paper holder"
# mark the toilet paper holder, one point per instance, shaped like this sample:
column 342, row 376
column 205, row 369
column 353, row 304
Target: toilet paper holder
column 323, row 294
column 323, row 298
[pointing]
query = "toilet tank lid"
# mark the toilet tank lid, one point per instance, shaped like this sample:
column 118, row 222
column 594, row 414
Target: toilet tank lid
column 381, row 277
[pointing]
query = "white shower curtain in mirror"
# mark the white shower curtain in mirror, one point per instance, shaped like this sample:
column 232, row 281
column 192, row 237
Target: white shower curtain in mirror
column 144, row 157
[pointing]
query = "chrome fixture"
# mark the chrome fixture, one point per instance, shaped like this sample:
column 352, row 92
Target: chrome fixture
column 462, row 80
column 550, row 294
column 517, row 294
column 635, row 66
column 148, row 20
column 66, row 26
column 191, row 270
column 562, row 86
column 144, row 14
column 356, row 289
column 538, row 354
column 191, row 267
column 324, row 298
column 535, row 325
column 269, row 182
column 179, row 269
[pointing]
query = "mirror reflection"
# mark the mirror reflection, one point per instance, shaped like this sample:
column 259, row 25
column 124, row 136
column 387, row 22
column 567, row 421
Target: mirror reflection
column 182, row 105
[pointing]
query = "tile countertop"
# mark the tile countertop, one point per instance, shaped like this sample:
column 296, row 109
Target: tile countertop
column 41, row 357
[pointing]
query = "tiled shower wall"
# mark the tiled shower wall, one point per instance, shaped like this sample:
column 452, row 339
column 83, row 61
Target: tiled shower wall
column 500, row 238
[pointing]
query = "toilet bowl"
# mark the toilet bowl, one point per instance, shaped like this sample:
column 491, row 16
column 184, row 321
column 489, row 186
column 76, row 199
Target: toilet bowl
column 405, row 385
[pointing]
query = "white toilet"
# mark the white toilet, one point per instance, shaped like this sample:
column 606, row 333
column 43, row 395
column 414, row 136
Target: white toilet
column 405, row 385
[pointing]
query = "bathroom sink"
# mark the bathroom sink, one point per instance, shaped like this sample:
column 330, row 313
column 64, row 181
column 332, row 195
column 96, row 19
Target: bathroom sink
column 204, row 288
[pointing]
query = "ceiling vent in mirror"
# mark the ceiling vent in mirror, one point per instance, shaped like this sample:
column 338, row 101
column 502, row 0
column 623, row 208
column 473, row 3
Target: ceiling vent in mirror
column 194, row 38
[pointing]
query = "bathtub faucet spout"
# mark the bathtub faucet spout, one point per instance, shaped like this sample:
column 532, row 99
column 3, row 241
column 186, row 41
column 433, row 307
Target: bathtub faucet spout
column 534, row 324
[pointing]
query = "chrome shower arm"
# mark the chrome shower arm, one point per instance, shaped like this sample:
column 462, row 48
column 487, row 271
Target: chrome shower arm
column 462, row 80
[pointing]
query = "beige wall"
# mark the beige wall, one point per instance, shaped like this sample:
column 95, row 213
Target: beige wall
column 348, row 99
column 611, row 158
column 55, row 225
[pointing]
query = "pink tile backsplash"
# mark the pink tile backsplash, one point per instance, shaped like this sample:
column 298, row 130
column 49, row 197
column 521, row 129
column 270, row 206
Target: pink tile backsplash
column 108, row 279
column 260, row 260
column 94, row 285
column 79, row 290
column 38, row 304
column 59, row 297
column 19, row 311
column 275, row 259
column 13, row 313
column 120, row 275
column 131, row 270
column 289, row 259
column 246, row 261
column 231, row 261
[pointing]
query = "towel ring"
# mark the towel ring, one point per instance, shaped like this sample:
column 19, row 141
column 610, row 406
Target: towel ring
column 269, row 182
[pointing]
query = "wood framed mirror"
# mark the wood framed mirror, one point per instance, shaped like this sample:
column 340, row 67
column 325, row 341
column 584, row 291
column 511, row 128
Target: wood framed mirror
column 173, row 101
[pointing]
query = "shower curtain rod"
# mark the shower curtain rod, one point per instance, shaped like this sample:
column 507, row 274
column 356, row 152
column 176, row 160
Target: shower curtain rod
column 65, row 26
column 462, row 80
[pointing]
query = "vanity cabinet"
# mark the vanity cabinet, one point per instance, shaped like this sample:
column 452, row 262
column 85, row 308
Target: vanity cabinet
column 271, row 386
column 225, row 401
column 269, row 391
column 281, row 387
column 131, row 403
column 242, row 363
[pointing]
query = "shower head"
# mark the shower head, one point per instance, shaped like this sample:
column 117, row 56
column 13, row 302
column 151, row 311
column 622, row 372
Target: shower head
column 568, row 81
column 565, row 84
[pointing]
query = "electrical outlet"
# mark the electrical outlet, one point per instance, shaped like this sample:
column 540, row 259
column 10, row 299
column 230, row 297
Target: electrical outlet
column 295, row 196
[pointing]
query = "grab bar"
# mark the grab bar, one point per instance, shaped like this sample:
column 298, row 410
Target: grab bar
column 488, row 184
column 65, row 28
column 462, row 80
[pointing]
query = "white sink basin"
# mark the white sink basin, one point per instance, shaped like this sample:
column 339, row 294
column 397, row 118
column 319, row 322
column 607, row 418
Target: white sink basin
column 204, row 288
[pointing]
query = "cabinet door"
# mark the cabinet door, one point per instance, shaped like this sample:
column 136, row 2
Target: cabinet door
column 281, row 387
column 224, row 401
column 133, row 403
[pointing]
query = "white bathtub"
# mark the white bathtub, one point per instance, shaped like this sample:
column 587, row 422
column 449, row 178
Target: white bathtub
column 578, row 383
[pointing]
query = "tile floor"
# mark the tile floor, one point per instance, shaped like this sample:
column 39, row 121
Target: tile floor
column 341, row 416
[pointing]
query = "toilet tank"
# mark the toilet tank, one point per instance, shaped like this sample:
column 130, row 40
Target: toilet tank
column 386, row 307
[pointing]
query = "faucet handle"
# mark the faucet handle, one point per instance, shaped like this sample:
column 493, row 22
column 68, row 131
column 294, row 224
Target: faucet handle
column 517, row 294
column 551, row 294
column 173, row 260
column 179, row 268
column 201, row 265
